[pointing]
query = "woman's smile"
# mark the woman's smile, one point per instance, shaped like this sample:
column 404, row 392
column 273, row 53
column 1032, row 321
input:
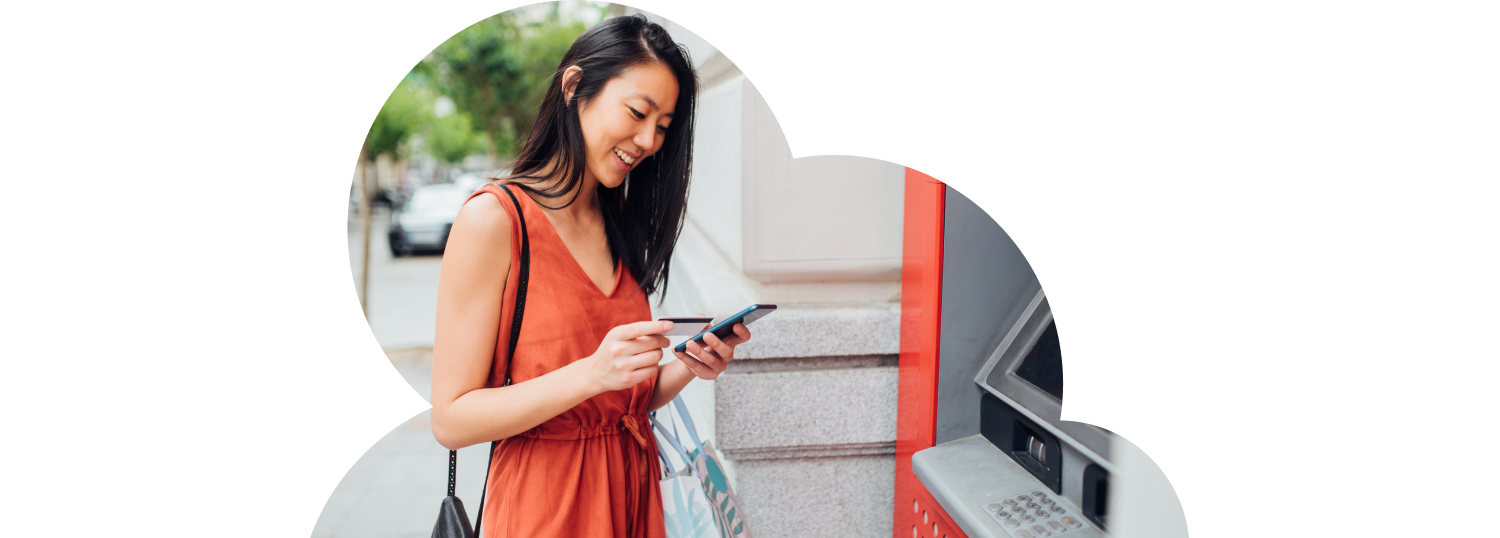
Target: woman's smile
column 626, row 160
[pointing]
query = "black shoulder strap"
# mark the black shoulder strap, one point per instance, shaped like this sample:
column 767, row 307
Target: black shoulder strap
column 515, row 324
column 510, row 355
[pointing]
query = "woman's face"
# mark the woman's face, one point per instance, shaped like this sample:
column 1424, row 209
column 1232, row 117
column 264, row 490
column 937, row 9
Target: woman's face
column 627, row 121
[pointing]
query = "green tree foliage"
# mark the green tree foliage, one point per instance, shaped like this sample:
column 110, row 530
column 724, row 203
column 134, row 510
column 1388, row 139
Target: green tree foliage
column 498, row 69
column 405, row 113
column 451, row 138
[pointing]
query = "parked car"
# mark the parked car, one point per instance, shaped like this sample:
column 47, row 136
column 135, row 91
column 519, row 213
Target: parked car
column 423, row 222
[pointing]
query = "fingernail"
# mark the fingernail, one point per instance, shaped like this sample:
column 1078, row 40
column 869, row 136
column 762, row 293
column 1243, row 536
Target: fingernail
column 666, row 325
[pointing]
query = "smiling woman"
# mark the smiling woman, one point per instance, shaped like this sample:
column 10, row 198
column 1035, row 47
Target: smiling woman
column 606, row 115
column 611, row 145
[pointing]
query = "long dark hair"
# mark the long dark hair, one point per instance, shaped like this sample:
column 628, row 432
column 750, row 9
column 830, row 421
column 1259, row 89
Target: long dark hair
column 643, row 216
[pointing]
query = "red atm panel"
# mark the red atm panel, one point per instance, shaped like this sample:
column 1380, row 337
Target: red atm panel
column 917, row 513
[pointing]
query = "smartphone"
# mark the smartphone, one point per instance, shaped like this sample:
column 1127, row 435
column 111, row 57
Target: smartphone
column 725, row 328
column 687, row 325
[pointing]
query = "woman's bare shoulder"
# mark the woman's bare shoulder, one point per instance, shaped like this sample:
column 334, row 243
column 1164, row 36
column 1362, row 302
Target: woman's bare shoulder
column 483, row 222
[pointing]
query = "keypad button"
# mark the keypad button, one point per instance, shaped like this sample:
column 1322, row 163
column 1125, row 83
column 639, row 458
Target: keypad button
column 1038, row 494
column 1040, row 530
column 1023, row 498
column 1071, row 522
column 1026, row 518
column 1042, row 514
column 1033, row 506
column 1045, row 501
column 1055, row 509
column 995, row 506
column 1002, row 514
column 1056, row 527
column 1012, row 523
column 1023, row 533
column 1009, row 502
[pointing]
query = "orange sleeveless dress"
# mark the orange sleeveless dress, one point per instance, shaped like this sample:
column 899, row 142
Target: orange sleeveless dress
column 592, row 471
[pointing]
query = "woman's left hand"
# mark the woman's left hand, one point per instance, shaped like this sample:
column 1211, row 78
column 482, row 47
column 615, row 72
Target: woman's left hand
column 709, row 360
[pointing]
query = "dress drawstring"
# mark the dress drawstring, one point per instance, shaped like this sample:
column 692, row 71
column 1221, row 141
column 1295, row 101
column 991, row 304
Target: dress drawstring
column 635, row 430
column 639, row 465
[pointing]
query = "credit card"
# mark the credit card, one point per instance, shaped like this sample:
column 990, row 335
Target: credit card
column 687, row 325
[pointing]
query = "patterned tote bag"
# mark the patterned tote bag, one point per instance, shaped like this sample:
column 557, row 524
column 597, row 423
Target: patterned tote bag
column 728, row 517
column 686, row 510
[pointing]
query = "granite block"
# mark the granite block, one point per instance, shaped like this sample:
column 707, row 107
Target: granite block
column 849, row 496
column 824, row 332
column 806, row 410
column 759, row 366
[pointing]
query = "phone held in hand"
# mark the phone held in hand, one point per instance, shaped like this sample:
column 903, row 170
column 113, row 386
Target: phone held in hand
column 725, row 328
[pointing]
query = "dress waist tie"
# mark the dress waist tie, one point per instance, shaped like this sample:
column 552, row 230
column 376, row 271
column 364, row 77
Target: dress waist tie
column 638, row 465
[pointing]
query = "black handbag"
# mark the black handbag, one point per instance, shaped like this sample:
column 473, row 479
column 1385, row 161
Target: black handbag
column 452, row 521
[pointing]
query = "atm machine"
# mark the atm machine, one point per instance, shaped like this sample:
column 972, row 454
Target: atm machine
column 981, row 449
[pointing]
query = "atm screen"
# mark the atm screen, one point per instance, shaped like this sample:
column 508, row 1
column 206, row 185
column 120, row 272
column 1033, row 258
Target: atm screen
column 1042, row 366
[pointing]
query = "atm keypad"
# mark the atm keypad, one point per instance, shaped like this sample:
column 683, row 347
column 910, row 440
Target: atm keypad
column 1033, row 514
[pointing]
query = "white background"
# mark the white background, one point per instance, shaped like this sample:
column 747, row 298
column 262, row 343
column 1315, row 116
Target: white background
column 1269, row 231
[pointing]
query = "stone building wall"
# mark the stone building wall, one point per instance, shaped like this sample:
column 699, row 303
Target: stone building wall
column 806, row 416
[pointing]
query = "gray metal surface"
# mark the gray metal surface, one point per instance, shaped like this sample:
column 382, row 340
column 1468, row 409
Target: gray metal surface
column 999, row 376
column 999, row 370
column 987, row 285
column 966, row 474
column 1068, row 442
column 1072, row 480
column 1093, row 437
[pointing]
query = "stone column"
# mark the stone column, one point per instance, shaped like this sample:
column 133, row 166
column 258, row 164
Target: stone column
column 806, row 415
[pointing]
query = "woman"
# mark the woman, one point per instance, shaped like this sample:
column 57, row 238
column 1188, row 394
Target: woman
column 602, row 183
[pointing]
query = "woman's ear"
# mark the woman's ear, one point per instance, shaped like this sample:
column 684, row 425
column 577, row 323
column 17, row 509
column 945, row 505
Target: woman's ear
column 570, row 82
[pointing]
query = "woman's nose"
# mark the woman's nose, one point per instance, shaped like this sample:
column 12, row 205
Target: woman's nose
column 646, row 139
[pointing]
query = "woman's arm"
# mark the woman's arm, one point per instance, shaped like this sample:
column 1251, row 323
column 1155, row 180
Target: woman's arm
column 674, row 377
column 476, row 264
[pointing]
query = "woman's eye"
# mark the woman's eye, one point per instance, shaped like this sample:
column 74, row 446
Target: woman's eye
column 638, row 115
column 661, row 129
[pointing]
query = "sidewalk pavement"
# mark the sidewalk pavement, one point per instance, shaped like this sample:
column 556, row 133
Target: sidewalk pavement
column 395, row 489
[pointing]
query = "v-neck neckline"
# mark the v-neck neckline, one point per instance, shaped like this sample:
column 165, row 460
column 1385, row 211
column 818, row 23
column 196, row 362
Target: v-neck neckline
column 619, row 264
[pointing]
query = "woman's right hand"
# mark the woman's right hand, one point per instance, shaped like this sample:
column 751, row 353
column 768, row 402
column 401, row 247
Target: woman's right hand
column 628, row 355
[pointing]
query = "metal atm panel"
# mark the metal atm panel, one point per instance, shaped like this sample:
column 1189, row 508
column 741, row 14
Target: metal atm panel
column 980, row 447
